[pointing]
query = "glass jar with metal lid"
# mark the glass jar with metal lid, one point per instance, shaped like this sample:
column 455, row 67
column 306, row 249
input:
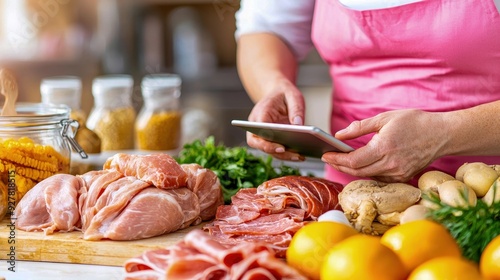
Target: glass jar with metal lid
column 158, row 125
column 34, row 145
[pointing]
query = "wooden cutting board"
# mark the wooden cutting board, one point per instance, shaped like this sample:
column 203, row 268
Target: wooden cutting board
column 69, row 247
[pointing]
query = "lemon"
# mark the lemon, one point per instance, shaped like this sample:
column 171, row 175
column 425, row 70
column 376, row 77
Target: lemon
column 419, row 241
column 443, row 268
column 362, row 257
column 310, row 244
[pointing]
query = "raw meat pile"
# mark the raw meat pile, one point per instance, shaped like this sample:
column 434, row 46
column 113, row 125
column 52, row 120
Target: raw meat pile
column 274, row 211
column 247, row 238
column 133, row 197
column 198, row 256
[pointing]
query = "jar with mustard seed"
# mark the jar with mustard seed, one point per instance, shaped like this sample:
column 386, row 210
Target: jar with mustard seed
column 112, row 118
column 158, row 125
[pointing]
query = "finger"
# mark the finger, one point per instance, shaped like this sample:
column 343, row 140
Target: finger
column 274, row 149
column 296, row 105
column 291, row 156
column 266, row 146
column 356, row 159
column 360, row 128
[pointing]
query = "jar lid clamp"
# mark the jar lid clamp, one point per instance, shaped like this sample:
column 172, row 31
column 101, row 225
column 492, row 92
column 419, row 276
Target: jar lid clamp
column 66, row 124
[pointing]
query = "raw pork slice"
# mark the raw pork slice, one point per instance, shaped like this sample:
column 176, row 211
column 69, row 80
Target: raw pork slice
column 200, row 257
column 314, row 195
column 206, row 185
column 274, row 211
column 160, row 170
column 52, row 205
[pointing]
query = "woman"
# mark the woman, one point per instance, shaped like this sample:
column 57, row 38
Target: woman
column 416, row 83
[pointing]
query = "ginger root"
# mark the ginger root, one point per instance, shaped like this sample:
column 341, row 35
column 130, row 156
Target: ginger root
column 373, row 207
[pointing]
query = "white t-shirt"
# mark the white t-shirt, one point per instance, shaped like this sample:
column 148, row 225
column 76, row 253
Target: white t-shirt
column 292, row 20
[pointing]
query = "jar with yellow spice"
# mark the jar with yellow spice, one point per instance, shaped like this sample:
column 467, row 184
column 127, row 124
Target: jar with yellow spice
column 158, row 125
column 34, row 145
column 113, row 115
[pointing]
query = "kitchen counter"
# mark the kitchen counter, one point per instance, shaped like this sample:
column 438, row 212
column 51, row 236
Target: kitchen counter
column 31, row 270
column 26, row 270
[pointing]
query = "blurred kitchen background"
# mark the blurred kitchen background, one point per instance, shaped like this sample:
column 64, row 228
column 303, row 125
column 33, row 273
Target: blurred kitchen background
column 193, row 38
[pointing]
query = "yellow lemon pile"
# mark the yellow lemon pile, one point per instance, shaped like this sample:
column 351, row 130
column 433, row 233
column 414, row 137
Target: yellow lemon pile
column 416, row 250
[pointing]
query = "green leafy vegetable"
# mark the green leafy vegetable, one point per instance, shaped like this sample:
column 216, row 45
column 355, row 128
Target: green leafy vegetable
column 473, row 227
column 236, row 167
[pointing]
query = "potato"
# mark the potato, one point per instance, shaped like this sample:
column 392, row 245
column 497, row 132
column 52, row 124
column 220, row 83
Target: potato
column 413, row 213
column 496, row 167
column 431, row 179
column 459, row 175
column 480, row 178
column 451, row 193
column 493, row 194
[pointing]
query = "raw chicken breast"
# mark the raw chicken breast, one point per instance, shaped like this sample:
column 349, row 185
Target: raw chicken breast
column 151, row 212
column 52, row 205
column 206, row 185
column 160, row 170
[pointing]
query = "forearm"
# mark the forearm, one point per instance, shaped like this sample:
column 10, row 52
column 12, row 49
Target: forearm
column 473, row 131
column 263, row 59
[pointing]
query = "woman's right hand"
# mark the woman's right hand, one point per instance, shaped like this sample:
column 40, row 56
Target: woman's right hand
column 284, row 103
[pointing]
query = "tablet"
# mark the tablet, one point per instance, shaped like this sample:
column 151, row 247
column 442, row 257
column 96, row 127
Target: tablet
column 303, row 139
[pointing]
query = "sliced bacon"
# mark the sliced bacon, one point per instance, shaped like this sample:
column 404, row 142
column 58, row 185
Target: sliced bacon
column 232, row 214
column 315, row 195
column 274, row 211
column 206, row 259
column 270, row 224
column 160, row 170
column 249, row 199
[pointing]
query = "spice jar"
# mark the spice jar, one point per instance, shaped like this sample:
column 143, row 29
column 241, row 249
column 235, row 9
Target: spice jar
column 113, row 115
column 34, row 145
column 67, row 90
column 158, row 125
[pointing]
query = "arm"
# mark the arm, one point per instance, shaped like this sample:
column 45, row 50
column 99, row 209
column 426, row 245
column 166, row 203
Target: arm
column 272, row 36
column 407, row 141
column 264, row 59
column 473, row 131
column 268, row 69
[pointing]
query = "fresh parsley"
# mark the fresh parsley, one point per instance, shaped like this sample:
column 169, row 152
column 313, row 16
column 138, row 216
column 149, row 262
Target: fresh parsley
column 473, row 227
column 236, row 167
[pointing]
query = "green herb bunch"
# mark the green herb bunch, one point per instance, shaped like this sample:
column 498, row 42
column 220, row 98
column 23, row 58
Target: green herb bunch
column 473, row 227
column 236, row 167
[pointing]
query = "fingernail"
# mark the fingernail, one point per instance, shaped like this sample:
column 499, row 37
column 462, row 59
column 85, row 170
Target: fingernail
column 297, row 120
column 280, row 150
column 295, row 158
column 342, row 131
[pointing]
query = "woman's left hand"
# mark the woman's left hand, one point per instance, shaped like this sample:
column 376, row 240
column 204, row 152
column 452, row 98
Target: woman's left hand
column 404, row 143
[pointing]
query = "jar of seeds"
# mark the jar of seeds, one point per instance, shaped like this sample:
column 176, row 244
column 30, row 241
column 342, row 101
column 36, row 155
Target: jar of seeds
column 158, row 125
column 112, row 117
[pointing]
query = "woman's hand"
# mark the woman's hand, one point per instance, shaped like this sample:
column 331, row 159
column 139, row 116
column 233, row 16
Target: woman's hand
column 284, row 104
column 404, row 143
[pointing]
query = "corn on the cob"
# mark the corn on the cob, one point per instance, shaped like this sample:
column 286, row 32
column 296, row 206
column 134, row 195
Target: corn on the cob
column 30, row 162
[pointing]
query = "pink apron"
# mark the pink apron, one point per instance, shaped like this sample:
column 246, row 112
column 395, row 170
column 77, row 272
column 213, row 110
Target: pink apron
column 435, row 55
